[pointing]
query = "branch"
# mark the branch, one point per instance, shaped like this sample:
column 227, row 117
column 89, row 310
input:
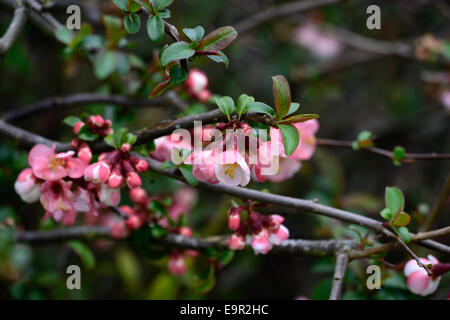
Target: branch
column 338, row 277
column 13, row 31
column 279, row 11
column 409, row 157
column 85, row 98
column 438, row 206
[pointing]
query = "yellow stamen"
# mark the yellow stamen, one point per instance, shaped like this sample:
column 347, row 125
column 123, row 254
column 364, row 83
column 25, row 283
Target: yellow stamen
column 56, row 162
column 230, row 169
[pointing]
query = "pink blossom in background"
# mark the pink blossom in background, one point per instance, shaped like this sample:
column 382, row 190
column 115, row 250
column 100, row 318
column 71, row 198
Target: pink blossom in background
column 445, row 99
column 47, row 165
column 177, row 264
column 183, row 202
column 320, row 43
column 287, row 169
column 418, row 281
column 27, row 186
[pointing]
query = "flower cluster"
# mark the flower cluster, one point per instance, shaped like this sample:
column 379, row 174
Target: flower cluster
column 96, row 125
column 264, row 231
column 196, row 85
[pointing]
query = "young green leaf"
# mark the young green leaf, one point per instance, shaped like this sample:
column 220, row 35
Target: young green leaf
column 71, row 120
column 299, row 118
column 261, row 107
column 282, row 95
column 403, row 232
column 177, row 75
column 293, row 108
column 64, row 35
column 86, row 134
column 194, row 34
column 221, row 58
column 386, row 213
column 155, row 28
column 84, row 252
column 290, row 137
column 394, row 200
column 243, row 103
column 226, row 105
column 402, row 220
column 105, row 64
column 218, row 39
column 186, row 171
column 398, row 155
column 160, row 4
column 160, row 88
column 176, row 51
column 122, row 4
column 109, row 139
column 133, row 6
column 157, row 231
column 132, row 23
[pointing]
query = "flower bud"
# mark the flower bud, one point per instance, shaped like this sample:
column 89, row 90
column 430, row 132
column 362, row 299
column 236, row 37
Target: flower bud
column 77, row 127
column 133, row 180
column 133, row 222
column 196, row 81
column 139, row 195
column 203, row 95
column 27, row 187
column 185, row 231
column 176, row 264
column 234, row 218
column 95, row 121
column 84, row 152
column 274, row 222
column 236, row 242
column 118, row 230
column 97, row 172
column 141, row 165
column 278, row 237
column 260, row 242
column 109, row 196
column 126, row 147
column 115, row 178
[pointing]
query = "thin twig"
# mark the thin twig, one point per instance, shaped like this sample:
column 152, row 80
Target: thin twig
column 438, row 205
column 13, row 31
column 339, row 274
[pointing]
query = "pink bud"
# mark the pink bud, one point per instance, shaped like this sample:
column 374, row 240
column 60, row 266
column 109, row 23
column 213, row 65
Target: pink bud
column 97, row 172
column 118, row 230
column 196, row 81
column 141, row 165
column 278, row 237
column 126, row 147
column 274, row 223
column 115, row 180
column 133, row 180
column 203, row 95
column 260, row 242
column 176, row 264
column 139, row 195
column 127, row 210
column 108, row 196
column 133, row 222
column 95, row 121
column 77, row 127
column 234, row 218
column 84, row 152
column 246, row 128
column 27, row 187
column 236, row 242
column 185, row 231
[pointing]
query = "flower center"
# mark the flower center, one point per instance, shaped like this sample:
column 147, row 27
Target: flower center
column 229, row 169
column 56, row 162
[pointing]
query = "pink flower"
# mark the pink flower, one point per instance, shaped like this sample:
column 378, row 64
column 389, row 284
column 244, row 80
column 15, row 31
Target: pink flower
column 118, row 230
column 234, row 218
column 236, row 241
column 320, row 43
column 275, row 220
column 278, row 237
column 164, row 146
column 286, row 170
column 260, row 242
column 445, row 99
column 204, row 164
column 139, row 195
column 27, row 186
column 177, row 264
column 183, row 202
column 108, row 196
column 49, row 166
column 133, row 180
column 231, row 169
column 58, row 201
column 84, row 152
column 97, row 172
column 418, row 281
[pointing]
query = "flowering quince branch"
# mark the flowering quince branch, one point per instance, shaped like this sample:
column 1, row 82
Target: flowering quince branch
column 338, row 277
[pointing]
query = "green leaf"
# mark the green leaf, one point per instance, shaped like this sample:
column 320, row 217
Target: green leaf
column 64, row 35
column 131, row 138
column 133, row 6
column 160, row 88
column 132, row 23
column 155, row 28
column 394, row 200
column 293, row 108
column 160, row 4
column 123, row 65
column 243, row 103
column 176, row 51
column 84, row 252
column 164, row 13
column 387, row 214
column 364, row 135
column 299, row 118
column 226, row 105
column 399, row 154
column 402, row 220
column 194, row 34
column 168, row 165
column 403, row 232
column 105, row 64
column 221, row 58
column 218, row 39
column 109, row 139
column 86, row 134
column 186, row 171
column 158, row 231
column 122, row 4
column 261, row 107
column 282, row 95
column 177, row 75
column 71, row 120
column 291, row 138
